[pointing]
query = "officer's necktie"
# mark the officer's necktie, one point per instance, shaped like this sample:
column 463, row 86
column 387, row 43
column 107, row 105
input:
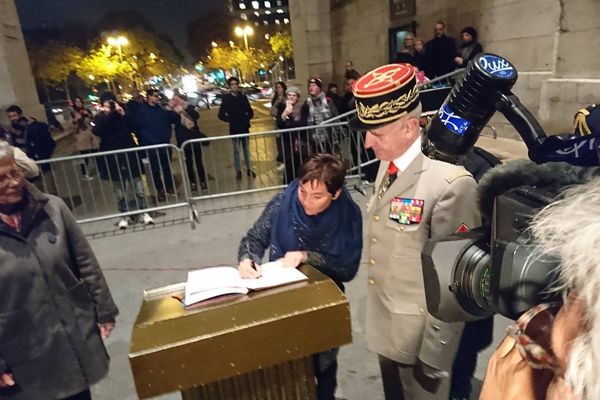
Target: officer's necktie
column 392, row 174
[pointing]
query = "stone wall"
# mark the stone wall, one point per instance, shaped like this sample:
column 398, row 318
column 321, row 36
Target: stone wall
column 551, row 42
column 311, row 34
column 16, row 81
column 359, row 33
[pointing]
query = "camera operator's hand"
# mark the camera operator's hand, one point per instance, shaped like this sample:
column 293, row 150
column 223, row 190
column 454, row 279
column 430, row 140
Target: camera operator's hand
column 509, row 376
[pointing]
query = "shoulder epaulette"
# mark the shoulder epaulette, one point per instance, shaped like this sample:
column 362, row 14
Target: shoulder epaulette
column 457, row 175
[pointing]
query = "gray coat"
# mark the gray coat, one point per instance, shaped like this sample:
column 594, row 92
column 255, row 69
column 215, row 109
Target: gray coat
column 399, row 326
column 52, row 295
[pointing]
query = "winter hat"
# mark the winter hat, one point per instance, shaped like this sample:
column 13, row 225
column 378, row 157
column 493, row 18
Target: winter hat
column 317, row 81
column 471, row 31
column 293, row 89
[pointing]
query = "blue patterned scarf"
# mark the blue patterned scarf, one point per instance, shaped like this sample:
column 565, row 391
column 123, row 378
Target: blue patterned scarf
column 333, row 233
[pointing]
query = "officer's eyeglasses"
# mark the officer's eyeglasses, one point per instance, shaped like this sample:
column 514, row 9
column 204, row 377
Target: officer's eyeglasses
column 533, row 335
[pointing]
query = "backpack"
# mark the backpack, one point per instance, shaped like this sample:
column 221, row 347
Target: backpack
column 40, row 139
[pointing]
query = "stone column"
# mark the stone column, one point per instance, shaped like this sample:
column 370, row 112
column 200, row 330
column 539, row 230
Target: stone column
column 16, row 80
column 311, row 30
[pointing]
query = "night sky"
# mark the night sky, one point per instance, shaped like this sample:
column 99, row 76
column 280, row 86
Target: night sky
column 167, row 16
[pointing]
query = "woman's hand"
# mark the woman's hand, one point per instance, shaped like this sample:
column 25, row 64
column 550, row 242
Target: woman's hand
column 246, row 270
column 106, row 328
column 509, row 377
column 293, row 259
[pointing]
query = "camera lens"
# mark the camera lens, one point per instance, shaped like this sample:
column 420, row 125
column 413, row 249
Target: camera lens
column 472, row 281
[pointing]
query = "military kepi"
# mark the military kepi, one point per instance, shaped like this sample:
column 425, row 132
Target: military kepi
column 384, row 95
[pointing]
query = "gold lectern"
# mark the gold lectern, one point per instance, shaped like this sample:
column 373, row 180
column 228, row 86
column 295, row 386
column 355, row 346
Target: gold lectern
column 256, row 346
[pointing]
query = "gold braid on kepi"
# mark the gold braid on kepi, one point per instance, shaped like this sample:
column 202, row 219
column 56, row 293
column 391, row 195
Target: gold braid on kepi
column 581, row 126
column 384, row 95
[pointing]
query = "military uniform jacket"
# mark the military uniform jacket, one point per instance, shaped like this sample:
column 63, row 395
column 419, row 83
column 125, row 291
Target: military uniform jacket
column 398, row 324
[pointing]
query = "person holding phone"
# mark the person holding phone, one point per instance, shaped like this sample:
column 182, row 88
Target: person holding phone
column 293, row 114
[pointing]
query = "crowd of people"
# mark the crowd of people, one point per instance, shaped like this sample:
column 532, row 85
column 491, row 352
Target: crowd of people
column 440, row 55
column 143, row 121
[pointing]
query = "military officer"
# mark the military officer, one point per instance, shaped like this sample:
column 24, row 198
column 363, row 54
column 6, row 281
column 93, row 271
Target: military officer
column 415, row 199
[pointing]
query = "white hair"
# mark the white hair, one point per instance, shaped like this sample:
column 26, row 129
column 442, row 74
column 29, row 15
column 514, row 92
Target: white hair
column 570, row 230
column 6, row 150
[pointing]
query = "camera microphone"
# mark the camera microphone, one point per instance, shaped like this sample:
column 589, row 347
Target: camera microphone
column 455, row 128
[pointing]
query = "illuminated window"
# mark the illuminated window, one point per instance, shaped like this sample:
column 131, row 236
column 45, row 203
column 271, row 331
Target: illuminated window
column 255, row 5
column 267, row 4
column 242, row 6
column 277, row 22
column 257, row 13
column 279, row 11
column 244, row 16
column 256, row 23
column 267, row 12
column 286, row 21
column 278, row 3
column 265, row 22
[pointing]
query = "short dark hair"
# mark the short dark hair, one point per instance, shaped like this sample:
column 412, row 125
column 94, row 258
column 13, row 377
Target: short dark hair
column 324, row 167
column 15, row 108
column 231, row 79
column 440, row 23
column 150, row 92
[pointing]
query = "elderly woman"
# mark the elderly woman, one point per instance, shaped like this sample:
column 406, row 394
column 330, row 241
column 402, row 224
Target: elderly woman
column 558, row 358
column 55, row 306
column 314, row 221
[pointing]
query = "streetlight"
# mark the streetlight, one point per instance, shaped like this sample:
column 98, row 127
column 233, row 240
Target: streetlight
column 118, row 42
column 244, row 32
column 214, row 44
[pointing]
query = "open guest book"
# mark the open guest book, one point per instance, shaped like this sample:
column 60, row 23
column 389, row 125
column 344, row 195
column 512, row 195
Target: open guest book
column 206, row 283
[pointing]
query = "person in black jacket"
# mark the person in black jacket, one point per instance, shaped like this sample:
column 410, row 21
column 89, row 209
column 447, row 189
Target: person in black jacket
column 237, row 112
column 469, row 47
column 34, row 139
column 440, row 52
column 113, row 127
column 293, row 114
column 154, row 126
column 186, row 128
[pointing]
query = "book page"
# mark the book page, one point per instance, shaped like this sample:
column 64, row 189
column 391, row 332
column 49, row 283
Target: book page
column 274, row 274
column 205, row 283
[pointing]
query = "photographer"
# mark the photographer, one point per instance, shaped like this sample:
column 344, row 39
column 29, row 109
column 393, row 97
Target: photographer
column 187, row 128
column 123, row 169
column 293, row 114
column 85, row 141
column 569, row 230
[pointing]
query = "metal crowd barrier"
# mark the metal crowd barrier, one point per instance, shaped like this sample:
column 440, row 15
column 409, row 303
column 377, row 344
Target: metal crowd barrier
column 117, row 184
column 201, row 176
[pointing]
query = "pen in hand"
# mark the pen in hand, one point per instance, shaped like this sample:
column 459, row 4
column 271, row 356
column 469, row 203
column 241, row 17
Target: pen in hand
column 252, row 263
